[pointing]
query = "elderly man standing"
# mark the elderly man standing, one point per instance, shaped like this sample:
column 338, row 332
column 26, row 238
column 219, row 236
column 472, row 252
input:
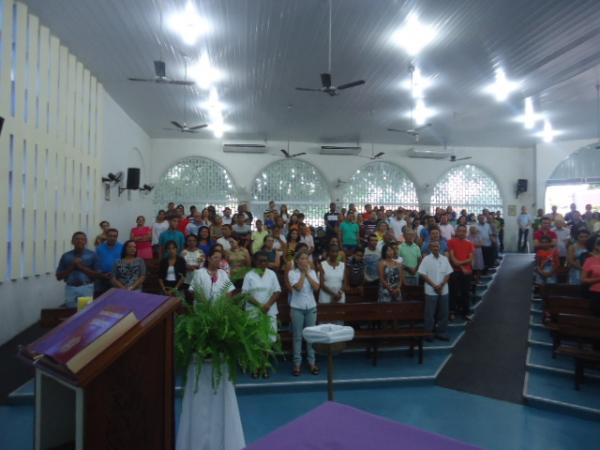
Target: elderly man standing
column 435, row 271
column 77, row 269
column 524, row 223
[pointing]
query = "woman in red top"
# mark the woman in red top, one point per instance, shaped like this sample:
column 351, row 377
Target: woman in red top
column 590, row 275
column 142, row 236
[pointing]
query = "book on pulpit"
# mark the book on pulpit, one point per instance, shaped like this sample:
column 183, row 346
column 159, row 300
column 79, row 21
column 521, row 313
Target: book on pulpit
column 76, row 342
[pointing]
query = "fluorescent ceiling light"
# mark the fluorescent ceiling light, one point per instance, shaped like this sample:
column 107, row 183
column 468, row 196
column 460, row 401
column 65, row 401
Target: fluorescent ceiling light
column 548, row 133
column 213, row 104
column 414, row 36
column 188, row 24
column 421, row 113
column 417, row 84
column 502, row 87
column 219, row 128
column 204, row 73
column 529, row 117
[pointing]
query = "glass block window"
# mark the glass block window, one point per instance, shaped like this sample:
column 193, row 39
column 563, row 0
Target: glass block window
column 466, row 187
column 196, row 181
column 295, row 183
column 380, row 184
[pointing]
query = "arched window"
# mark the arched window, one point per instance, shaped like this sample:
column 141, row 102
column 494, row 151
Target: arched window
column 295, row 183
column 575, row 180
column 466, row 187
column 380, row 183
column 196, row 181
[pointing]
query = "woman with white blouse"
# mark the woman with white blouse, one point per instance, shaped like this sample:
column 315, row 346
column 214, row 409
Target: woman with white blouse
column 332, row 275
column 303, row 309
column 211, row 281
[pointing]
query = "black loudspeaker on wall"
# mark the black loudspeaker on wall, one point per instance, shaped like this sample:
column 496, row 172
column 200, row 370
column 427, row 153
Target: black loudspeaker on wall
column 133, row 178
column 1, row 124
column 521, row 186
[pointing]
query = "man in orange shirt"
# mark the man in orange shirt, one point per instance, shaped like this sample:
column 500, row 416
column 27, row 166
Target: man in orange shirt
column 461, row 253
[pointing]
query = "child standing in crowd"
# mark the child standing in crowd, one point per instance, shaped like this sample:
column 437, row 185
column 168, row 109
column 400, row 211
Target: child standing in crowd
column 355, row 269
column 546, row 261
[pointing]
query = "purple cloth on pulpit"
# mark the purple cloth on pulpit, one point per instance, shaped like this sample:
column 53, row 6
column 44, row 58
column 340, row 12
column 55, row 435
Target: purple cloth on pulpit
column 333, row 426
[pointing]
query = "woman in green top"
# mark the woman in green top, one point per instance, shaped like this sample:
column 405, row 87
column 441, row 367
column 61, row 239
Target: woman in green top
column 239, row 257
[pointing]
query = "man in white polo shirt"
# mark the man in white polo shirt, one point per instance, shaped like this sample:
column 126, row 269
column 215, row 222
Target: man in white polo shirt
column 435, row 269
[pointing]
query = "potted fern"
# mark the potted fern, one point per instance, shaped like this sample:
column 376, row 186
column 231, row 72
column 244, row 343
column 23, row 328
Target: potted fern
column 213, row 341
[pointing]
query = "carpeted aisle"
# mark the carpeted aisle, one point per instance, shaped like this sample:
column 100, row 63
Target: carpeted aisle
column 490, row 359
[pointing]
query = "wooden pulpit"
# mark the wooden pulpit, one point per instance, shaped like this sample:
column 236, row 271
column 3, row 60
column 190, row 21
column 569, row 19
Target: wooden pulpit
column 123, row 397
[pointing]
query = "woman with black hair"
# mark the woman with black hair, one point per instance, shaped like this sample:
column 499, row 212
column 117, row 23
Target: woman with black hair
column 205, row 243
column 172, row 269
column 390, row 276
column 129, row 272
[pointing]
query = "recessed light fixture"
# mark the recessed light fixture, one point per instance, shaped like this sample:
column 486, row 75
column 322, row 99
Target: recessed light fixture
column 417, row 83
column 204, row 73
column 188, row 24
column 414, row 36
column 502, row 87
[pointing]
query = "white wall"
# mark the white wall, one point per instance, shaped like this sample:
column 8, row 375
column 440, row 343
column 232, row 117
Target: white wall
column 126, row 144
column 548, row 157
column 505, row 165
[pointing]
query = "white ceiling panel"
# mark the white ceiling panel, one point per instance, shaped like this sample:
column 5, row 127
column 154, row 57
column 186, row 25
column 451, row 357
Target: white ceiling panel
column 267, row 47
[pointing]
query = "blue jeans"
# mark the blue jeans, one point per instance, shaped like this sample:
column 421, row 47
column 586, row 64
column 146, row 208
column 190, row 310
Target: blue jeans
column 302, row 318
column 436, row 310
column 72, row 292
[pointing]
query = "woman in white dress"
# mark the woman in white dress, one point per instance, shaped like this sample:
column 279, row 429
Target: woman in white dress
column 332, row 275
column 211, row 280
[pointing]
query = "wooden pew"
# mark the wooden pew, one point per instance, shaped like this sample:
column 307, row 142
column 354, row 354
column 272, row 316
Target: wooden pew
column 583, row 333
column 561, row 290
column 554, row 306
column 382, row 323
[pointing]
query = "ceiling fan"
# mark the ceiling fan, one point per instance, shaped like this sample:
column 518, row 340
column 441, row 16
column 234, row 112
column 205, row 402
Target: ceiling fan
column 414, row 131
column 373, row 154
column 184, row 127
column 453, row 158
column 160, row 76
column 327, row 85
column 291, row 155
column 287, row 154
column 339, row 183
column 160, row 69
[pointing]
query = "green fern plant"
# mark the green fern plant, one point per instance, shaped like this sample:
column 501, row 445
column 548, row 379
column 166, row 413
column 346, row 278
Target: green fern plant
column 222, row 331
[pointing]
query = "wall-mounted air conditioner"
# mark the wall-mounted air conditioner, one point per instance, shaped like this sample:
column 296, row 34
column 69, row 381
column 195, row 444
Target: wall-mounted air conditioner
column 244, row 148
column 339, row 150
column 428, row 154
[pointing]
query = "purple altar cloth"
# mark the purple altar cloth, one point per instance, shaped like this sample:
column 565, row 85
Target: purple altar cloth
column 333, row 426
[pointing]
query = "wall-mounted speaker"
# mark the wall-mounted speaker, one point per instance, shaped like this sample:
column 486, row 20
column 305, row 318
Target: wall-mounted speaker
column 133, row 178
column 521, row 186
column 1, row 124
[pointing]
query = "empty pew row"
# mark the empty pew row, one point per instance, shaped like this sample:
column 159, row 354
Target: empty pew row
column 375, row 324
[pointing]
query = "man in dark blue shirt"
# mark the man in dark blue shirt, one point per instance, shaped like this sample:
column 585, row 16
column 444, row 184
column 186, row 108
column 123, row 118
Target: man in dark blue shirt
column 78, row 269
column 107, row 254
column 332, row 221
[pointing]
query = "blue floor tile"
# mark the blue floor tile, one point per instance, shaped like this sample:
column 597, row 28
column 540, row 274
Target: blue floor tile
column 557, row 387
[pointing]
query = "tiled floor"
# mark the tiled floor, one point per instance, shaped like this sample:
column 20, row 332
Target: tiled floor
column 477, row 420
